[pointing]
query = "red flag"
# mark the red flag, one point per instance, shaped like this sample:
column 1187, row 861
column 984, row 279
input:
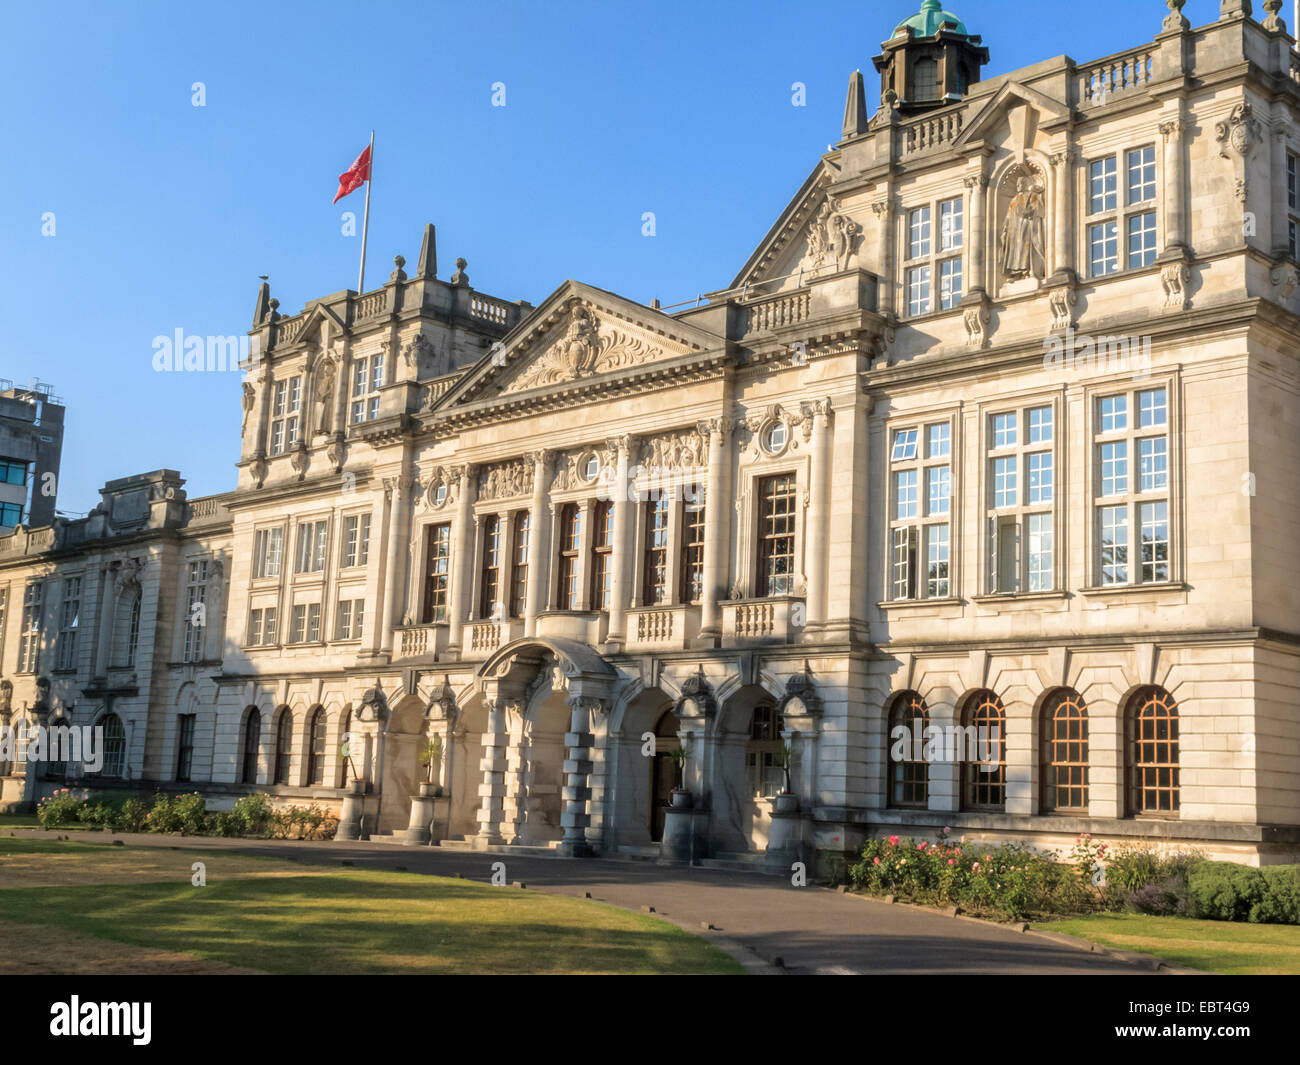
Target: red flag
column 354, row 176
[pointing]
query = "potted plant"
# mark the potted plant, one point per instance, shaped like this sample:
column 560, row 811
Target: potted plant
column 432, row 758
column 345, row 755
column 786, row 800
column 681, row 795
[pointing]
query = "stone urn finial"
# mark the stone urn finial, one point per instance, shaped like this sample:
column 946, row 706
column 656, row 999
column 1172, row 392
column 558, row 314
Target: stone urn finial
column 399, row 274
column 460, row 277
column 1176, row 20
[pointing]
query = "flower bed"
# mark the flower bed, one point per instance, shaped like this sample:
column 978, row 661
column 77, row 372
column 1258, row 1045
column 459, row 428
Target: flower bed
column 1013, row 881
column 252, row 816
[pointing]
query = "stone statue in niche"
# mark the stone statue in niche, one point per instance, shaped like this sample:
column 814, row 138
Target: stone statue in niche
column 1022, row 240
column 324, row 395
column 250, row 395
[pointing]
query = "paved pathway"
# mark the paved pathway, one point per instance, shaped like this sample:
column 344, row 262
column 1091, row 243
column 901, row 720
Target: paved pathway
column 756, row 918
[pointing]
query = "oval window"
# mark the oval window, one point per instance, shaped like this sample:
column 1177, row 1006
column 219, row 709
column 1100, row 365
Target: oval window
column 590, row 468
column 776, row 437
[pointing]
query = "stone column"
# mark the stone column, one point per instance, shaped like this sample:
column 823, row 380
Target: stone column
column 621, row 551
column 387, row 516
column 107, row 605
column 577, row 778
column 493, row 789
column 717, row 523
column 397, row 488
column 1175, row 180
column 215, row 611
column 461, row 562
column 976, row 184
column 538, row 538
column 817, row 530
column 1063, row 220
column 888, row 223
column 1280, row 244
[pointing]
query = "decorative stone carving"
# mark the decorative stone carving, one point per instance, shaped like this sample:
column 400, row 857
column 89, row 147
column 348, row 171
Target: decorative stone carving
column 128, row 576
column 1175, row 277
column 298, row 459
column 569, row 474
column 696, row 698
column 833, row 238
column 415, row 349
column 460, row 277
column 588, row 347
column 800, row 696
column 505, row 480
column 1062, row 301
column 1022, row 240
column 258, row 469
column 1286, row 279
column 977, row 319
column 1273, row 23
column 398, row 274
column 337, row 452
column 1239, row 131
column 1171, row 127
column 1175, row 21
column 675, row 450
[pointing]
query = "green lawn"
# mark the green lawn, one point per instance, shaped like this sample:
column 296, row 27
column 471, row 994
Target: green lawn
column 284, row 917
column 1228, row 947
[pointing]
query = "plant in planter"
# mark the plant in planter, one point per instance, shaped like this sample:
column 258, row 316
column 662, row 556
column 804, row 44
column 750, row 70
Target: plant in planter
column 431, row 757
column 681, row 794
column 785, row 760
column 786, row 800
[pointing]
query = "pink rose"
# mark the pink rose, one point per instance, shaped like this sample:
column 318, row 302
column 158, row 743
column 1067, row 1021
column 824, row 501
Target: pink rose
column 921, row 846
column 951, row 861
column 893, row 841
column 947, row 831
column 875, row 861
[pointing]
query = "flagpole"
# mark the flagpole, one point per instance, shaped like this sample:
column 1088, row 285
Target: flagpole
column 365, row 222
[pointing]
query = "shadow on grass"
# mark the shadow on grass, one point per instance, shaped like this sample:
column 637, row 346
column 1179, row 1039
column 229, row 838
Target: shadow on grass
column 370, row 923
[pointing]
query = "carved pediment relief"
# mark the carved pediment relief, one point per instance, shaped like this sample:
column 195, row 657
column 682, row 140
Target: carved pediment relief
column 589, row 343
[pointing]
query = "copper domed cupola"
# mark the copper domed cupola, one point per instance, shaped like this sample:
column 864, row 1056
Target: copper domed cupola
column 929, row 61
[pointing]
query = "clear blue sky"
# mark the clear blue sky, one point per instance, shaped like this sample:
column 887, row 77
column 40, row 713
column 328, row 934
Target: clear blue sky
column 165, row 212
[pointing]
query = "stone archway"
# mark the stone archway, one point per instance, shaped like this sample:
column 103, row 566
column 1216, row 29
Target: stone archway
column 403, row 738
column 524, row 685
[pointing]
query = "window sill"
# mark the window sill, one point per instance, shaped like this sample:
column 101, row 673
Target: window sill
column 912, row 319
column 1015, row 597
column 1152, row 588
column 894, row 604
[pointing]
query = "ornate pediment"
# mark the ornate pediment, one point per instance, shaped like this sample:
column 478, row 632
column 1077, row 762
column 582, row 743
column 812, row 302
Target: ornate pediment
column 587, row 342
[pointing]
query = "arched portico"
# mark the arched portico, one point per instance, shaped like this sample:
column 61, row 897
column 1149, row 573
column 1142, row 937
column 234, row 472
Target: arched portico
column 527, row 687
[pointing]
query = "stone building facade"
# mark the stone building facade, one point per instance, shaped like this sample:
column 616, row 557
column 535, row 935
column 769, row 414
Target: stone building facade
column 995, row 430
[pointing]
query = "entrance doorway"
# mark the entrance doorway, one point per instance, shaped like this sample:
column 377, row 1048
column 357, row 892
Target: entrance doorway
column 665, row 775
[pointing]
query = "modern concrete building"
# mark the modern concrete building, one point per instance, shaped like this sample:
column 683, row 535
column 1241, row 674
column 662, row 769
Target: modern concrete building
column 995, row 430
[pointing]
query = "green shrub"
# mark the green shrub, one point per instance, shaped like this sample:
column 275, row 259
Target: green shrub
column 132, row 817
column 1008, row 880
column 98, row 815
column 252, row 815
column 190, row 811
column 1226, row 891
column 61, row 808
column 1283, row 895
column 162, row 816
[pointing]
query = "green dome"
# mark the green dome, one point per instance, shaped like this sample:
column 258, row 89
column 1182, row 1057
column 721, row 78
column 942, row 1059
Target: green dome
column 927, row 22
